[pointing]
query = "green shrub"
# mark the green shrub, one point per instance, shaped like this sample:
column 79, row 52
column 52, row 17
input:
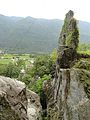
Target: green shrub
column 2, row 69
column 37, row 85
column 42, row 65
column 12, row 70
column 83, row 64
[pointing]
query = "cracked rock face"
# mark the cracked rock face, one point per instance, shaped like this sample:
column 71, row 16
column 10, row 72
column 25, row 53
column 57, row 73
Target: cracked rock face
column 68, row 41
column 66, row 96
column 69, row 100
column 16, row 102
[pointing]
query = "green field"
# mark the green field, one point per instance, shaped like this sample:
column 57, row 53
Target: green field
column 7, row 58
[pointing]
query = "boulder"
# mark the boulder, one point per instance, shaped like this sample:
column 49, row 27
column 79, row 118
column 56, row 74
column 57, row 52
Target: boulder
column 17, row 102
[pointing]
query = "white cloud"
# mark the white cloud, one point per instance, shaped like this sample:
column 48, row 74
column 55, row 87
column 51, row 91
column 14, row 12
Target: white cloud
column 45, row 8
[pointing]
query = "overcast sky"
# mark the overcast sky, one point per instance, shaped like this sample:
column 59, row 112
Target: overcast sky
column 46, row 8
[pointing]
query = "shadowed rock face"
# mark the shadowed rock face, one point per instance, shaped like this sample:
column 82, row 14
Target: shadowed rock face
column 16, row 102
column 66, row 97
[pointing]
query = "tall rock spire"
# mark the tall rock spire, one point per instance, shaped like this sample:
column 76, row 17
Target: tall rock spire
column 66, row 97
column 68, row 41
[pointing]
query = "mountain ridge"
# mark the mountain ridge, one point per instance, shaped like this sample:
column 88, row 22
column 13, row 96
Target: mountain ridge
column 34, row 35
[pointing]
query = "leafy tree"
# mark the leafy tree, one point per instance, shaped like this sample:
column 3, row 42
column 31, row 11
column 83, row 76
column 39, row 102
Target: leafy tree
column 20, row 63
column 37, row 85
column 2, row 69
column 41, row 71
column 27, row 79
column 42, row 65
column 12, row 70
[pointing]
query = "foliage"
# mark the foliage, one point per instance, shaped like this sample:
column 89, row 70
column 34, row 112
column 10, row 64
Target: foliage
column 20, row 63
column 84, row 77
column 53, row 55
column 42, row 69
column 37, row 85
column 84, row 48
column 2, row 69
column 12, row 71
column 84, row 73
column 83, row 64
column 27, row 79
column 73, row 38
column 11, row 68
column 43, row 65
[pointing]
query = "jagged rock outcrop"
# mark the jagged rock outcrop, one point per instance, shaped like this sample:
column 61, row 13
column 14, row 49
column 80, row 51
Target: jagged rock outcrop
column 17, row 102
column 66, row 94
column 68, row 99
column 68, row 41
column 69, row 33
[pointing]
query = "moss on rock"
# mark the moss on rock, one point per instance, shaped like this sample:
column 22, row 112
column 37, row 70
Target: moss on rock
column 83, row 64
column 84, row 73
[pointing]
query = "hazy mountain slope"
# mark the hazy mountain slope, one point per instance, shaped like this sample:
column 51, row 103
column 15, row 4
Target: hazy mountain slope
column 33, row 35
column 84, row 31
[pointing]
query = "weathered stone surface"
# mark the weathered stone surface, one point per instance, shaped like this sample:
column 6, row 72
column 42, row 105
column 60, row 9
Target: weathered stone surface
column 69, row 33
column 16, row 102
column 69, row 101
column 66, row 94
column 68, row 41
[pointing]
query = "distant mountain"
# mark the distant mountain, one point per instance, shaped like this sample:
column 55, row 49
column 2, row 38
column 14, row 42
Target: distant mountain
column 31, row 35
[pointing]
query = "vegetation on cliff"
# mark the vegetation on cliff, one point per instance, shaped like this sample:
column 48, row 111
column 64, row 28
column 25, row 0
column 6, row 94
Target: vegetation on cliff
column 83, row 66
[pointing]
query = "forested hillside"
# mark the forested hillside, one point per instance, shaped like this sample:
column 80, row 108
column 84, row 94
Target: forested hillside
column 31, row 35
